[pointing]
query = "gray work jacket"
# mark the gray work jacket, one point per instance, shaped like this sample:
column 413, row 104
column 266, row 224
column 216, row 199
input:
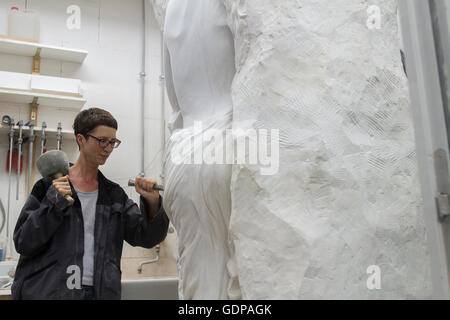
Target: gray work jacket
column 49, row 236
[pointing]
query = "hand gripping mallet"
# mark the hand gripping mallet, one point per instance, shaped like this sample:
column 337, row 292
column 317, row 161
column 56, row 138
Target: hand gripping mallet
column 53, row 165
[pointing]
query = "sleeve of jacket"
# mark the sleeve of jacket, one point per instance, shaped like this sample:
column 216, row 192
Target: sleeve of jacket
column 39, row 219
column 140, row 230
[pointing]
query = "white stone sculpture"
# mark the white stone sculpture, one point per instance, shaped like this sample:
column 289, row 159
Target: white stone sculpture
column 344, row 209
column 199, row 71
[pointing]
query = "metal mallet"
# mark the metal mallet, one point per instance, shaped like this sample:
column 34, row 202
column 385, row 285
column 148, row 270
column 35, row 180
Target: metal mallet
column 155, row 187
column 53, row 165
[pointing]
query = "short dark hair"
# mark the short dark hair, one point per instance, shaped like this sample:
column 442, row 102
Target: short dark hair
column 87, row 120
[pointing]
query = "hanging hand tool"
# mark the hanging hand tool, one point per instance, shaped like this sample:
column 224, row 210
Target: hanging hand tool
column 43, row 138
column 59, row 136
column 19, row 141
column 30, row 139
column 9, row 121
column 6, row 120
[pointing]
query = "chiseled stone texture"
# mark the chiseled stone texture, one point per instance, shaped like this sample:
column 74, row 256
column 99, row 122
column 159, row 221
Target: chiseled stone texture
column 347, row 194
column 159, row 10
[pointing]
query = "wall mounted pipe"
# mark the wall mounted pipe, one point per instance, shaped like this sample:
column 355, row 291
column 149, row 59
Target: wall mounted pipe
column 142, row 75
column 162, row 79
column 11, row 148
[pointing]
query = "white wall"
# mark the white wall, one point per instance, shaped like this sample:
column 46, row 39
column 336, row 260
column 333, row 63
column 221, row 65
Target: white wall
column 111, row 31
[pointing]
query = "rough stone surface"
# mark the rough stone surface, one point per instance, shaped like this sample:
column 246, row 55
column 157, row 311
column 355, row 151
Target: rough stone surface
column 346, row 196
column 159, row 10
column 347, row 192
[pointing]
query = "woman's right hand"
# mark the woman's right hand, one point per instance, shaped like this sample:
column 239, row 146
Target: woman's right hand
column 62, row 185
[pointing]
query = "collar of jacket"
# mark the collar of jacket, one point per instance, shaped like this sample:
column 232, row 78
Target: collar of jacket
column 104, row 188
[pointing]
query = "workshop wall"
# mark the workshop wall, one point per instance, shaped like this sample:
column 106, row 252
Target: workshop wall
column 111, row 31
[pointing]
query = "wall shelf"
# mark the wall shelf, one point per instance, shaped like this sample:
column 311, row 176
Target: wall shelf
column 51, row 100
column 67, row 134
column 30, row 49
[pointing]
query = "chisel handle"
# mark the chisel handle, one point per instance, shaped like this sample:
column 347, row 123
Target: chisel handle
column 155, row 187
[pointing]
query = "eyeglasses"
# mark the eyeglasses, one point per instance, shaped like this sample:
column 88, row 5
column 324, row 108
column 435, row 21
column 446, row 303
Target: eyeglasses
column 104, row 142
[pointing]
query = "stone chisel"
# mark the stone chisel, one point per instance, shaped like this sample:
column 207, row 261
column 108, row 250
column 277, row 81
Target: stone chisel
column 155, row 187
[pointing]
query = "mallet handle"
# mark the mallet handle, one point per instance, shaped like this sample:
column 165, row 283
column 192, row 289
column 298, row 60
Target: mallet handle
column 68, row 197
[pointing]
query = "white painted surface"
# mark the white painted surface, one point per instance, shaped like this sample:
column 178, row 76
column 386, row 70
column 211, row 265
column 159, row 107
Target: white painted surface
column 29, row 49
column 63, row 85
column 8, row 96
column 15, row 80
column 430, row 130
column 24, row 24
column 22, row 81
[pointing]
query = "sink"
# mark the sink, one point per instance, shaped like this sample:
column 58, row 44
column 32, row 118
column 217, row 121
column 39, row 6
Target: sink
column 6, row 266
column 5, row 281
column 150, row 289
column 138, row 289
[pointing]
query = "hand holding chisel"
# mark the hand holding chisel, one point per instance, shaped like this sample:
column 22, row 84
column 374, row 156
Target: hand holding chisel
column 155, row 186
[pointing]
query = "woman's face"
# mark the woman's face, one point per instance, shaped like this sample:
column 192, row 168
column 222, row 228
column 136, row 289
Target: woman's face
column 91, row 148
